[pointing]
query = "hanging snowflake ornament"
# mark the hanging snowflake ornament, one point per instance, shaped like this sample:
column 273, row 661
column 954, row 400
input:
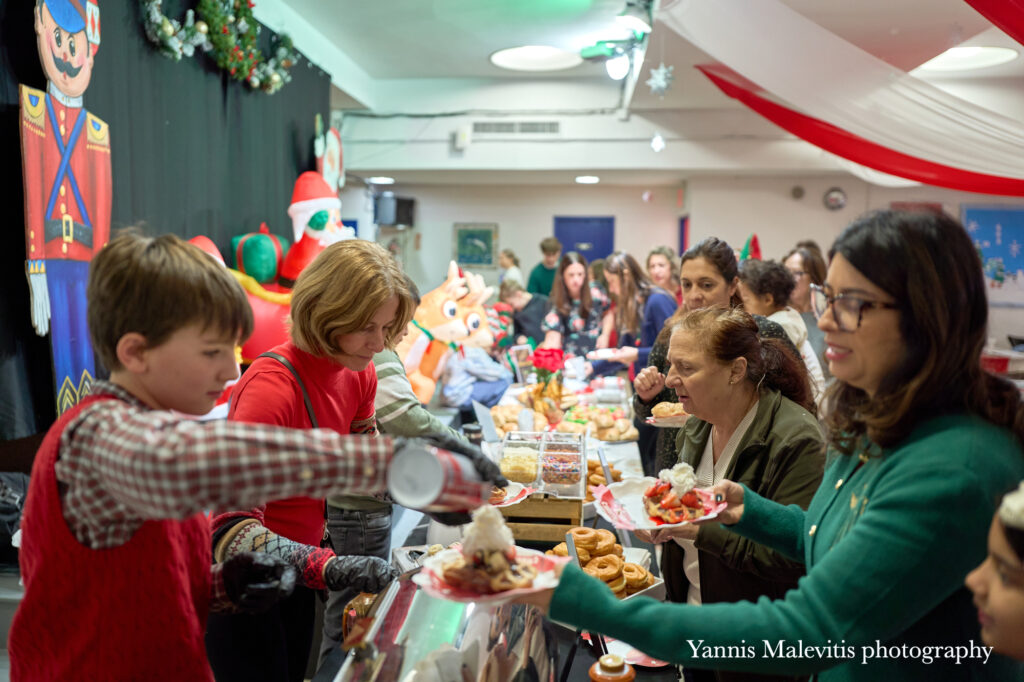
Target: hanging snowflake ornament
column 660, row 80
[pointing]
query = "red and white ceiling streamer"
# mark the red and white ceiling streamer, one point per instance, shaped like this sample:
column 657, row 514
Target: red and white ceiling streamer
column 833, row 94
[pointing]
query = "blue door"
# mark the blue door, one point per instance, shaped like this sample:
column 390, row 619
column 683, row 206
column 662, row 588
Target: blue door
column 593, row 237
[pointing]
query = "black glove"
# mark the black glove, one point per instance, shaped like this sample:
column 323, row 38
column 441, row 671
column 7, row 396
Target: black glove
column 484, row 465
column 255, row 581
column 362, row 573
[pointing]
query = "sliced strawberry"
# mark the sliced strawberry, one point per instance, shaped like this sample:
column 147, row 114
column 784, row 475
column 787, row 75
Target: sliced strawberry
column 658, row 489
column 670, row 501
column 690, row 499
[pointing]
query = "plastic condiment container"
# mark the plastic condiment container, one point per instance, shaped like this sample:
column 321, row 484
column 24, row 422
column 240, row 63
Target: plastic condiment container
column 612, row 668
column 435, row 480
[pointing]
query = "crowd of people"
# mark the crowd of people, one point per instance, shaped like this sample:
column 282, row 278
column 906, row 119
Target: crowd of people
column 837, row 406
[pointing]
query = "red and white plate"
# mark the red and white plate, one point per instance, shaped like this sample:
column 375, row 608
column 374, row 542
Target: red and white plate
column 622, row 505
column 431, row 578
column 514, row 494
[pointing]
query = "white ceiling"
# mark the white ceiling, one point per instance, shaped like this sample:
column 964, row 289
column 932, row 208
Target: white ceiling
column 430, row 57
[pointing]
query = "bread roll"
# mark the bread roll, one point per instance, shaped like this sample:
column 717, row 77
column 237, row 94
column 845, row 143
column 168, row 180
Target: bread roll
column 667, row 409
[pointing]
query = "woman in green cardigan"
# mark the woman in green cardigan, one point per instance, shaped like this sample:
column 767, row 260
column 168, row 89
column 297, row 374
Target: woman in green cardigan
column 922, row 445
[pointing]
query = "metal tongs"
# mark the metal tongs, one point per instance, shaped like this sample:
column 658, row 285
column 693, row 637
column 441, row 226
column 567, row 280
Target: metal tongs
column 596, row 640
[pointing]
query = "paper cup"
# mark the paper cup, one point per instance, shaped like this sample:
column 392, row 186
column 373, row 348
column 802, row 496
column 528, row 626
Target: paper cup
column 435, row 480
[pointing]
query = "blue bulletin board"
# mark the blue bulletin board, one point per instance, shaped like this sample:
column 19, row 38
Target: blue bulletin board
column 998, row 234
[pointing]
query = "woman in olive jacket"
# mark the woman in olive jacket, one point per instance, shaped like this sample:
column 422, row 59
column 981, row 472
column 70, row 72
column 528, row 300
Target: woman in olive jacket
column 752, row 423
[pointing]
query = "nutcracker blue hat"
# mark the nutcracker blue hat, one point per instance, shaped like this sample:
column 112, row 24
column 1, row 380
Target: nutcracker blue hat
column 69, row 14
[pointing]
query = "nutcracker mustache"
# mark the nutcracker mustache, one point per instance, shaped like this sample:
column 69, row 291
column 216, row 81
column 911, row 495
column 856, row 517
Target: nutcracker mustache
column 65, row 67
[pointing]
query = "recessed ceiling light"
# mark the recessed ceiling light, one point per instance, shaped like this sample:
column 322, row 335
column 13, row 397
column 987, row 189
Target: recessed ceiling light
column 964, row 58
column 587, row 179
column 380, row 180
column 535, row 58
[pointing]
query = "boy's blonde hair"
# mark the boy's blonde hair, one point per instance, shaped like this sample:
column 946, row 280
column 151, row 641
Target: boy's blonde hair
column 339, row 292
column 154, row 286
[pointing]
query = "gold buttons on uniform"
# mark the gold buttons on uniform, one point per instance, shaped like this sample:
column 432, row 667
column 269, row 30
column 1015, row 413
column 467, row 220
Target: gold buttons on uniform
column 63, row 190
column 306, row 474
column 839, row 484
column 63, row 208
column 369, row 471
column 31, row 234
column 64, row 247
column 63, row 130
column 62, row 115
column 813, row 530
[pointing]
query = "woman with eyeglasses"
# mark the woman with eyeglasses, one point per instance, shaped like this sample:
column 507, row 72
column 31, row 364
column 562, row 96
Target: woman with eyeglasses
column 922, row 445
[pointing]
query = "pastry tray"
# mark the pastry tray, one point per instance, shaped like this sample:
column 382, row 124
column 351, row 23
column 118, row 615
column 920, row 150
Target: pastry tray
column 560, row 457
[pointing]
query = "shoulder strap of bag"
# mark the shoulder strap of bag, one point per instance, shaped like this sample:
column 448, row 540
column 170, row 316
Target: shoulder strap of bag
column 305, row 395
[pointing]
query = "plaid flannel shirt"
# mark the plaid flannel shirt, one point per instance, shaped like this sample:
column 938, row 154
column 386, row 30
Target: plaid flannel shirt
column 123, row 463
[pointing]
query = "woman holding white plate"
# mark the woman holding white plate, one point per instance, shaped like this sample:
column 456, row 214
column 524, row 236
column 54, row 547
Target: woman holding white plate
column 752, row 421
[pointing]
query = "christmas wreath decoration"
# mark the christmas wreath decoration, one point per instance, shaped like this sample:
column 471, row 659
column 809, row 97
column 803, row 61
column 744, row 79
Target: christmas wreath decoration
column 227, row 30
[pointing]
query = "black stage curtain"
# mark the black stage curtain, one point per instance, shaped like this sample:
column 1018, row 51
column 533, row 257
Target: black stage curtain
column 192, row 153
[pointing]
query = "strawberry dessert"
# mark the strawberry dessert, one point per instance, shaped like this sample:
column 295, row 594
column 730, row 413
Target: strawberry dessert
column 671, row 499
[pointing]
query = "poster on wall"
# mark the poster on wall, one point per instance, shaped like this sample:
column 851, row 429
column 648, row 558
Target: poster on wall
column 476, row 244
column 998, row 234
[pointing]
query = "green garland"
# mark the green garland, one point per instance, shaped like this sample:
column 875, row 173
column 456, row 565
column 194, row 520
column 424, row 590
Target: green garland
column 227, row 30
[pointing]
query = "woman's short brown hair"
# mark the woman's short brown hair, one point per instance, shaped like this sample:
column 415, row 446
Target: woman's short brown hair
column 154, row 286
column 729, row 333
column 339, row 292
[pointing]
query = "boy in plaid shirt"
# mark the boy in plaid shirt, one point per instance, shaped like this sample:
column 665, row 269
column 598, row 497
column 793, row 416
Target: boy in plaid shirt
column 116, row 554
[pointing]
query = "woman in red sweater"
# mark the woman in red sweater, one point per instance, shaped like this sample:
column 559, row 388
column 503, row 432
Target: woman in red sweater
column 347, row 305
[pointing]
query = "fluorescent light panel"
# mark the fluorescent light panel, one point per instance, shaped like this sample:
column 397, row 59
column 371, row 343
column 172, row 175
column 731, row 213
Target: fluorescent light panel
column 535, row 58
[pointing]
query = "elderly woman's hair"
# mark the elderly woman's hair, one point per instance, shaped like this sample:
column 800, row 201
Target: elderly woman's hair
column 560, row 298
column 928, row 265
column 768, row 277
column 729, row 333
column 720, row 255
column 812, row 262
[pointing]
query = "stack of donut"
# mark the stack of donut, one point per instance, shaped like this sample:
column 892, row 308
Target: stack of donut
column 595, row 476
column 601, row 557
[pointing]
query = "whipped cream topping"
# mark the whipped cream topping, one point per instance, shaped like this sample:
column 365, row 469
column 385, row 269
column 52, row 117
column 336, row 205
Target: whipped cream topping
column 1011, row 511
column 487, row 532
column 681, row 477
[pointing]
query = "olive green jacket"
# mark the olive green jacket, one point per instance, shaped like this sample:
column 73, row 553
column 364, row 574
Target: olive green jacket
column 781, row 457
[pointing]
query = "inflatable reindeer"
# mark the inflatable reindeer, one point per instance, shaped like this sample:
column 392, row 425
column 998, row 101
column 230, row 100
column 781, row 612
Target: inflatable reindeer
column 444, row 320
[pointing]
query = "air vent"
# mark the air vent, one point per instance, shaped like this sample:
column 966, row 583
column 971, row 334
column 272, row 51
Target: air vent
column 494, row 128
column 517, row 129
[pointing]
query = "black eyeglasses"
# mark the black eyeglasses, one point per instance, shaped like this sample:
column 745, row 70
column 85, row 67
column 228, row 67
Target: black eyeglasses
column 847, row 309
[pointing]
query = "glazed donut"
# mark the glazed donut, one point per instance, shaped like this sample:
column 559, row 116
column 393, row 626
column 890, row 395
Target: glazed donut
column 608, row 567
column 585, row 538
column 590, row 571
column 516, row 576
column 559, row 550
column 596, row 479
column 618, row 585
column 635, row 574
column 617, row 549
column 605, row 542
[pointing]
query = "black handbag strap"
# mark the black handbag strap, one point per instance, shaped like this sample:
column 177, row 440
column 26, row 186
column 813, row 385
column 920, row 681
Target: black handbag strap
column 305, row 395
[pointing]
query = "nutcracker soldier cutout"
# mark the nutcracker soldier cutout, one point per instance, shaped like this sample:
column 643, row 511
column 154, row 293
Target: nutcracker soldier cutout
column 67, row 181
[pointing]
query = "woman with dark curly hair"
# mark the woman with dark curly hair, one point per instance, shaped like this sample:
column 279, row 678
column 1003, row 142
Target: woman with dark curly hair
column 765, row 287
column 922, row 444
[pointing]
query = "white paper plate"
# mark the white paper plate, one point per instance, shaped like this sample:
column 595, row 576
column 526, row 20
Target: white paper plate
column 432, row 581
column 625, row 508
